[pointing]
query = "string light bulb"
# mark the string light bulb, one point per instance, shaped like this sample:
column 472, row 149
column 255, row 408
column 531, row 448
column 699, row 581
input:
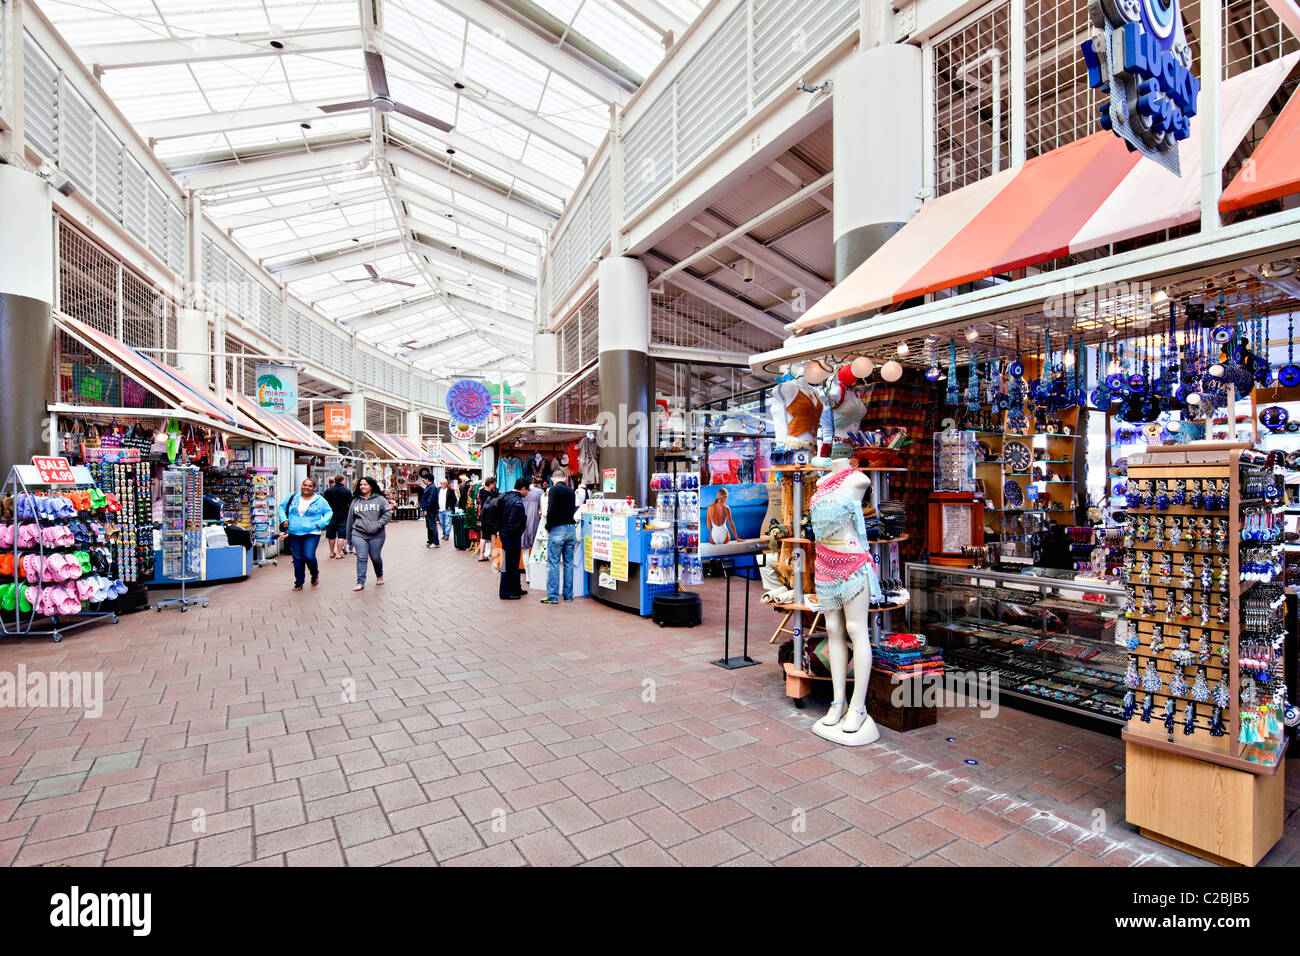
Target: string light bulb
column 902, row 348
column 862, row 366
column 891, row 371
column 814, row 373
column 972, row 334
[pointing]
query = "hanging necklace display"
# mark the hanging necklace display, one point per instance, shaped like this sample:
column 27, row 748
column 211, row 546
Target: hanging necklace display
column 973, row 383
column 1241, row 372
column 932, row 373
column 1016, row 421
column 1101, row 396
column 954, row 390
column 1289, row 374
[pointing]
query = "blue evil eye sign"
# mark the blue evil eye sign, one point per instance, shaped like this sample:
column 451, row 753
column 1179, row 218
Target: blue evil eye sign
column 1141, row 60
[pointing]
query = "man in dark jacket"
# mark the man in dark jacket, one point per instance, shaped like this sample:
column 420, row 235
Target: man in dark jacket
column 429, row 505
column 340, row 499
column 489, row 516
column 513, row 521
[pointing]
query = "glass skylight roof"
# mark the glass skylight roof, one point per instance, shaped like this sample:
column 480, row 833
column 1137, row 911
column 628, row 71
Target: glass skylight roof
column 525, row 121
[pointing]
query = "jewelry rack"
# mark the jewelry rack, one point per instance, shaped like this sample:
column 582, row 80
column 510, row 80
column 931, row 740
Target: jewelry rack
column 182, row 533
column 1183, row 775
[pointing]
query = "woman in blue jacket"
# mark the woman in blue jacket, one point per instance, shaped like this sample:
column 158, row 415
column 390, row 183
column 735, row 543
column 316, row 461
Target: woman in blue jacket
column 303, row 516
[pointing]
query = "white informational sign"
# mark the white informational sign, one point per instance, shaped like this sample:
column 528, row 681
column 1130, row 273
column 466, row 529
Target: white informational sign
column 956, row 528
column 618, row 526
column 602, row 537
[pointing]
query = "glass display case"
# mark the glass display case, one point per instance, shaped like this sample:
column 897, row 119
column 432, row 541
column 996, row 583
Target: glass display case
column 1047, row 636
column 955, row 455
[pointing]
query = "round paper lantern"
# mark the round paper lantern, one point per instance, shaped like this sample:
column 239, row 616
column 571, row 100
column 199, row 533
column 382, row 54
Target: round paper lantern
column 846, row 376
column 814, row 373
column 862, row 366
column 891, row 371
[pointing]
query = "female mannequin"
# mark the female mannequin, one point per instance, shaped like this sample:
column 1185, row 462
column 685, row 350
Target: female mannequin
column 796, row 414
column 847, row 584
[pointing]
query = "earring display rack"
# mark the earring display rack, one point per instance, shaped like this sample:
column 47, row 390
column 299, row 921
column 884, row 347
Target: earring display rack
column 182, row 532
column 1211, row 787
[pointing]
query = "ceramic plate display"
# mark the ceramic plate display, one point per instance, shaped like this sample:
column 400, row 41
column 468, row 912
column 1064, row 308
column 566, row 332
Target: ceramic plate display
column 1017, row 456
column 1012, row 495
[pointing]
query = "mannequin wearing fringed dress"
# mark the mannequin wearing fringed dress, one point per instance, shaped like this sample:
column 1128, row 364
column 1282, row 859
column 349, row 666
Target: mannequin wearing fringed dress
column 847, row 583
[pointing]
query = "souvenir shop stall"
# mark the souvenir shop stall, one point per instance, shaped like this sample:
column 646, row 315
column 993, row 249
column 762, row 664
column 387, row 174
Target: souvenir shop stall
column 129, row 417
column 396, row 465
column 1110, row 510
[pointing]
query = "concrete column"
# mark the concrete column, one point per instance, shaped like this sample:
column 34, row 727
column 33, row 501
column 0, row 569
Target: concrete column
column 877, row 102
column 192, row 343
column 545, row 361
column 626, row 434
column 357, row 402
column 26, row 323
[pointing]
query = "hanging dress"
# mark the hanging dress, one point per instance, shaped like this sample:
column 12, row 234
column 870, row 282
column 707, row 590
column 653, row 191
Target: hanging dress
column 840, row 576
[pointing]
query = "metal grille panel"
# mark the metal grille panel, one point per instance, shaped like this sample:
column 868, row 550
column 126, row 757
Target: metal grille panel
column 680, row 319
column 135, row 195
column 598, row 222
column 108, row 170
column 787, row 35
column 1253, row 35
column 40, row 99
column 76, row 137
column 707, row 108
column 143, row 310
column 648, row 154
column 88, row 281
column 972, row 114
column 1059, row 106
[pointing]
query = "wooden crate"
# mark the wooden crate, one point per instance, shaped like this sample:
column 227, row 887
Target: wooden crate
column 881, row 707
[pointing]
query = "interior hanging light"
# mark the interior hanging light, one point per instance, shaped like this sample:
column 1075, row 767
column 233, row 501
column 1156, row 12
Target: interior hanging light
column 814, row 373
column 972, row 334
column 862, row 366
column 892, row 370
column 902, row 348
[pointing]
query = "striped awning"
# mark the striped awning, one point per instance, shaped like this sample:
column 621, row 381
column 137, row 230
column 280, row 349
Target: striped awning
column 283, row 428
column 1088, row 194
column 1274, row 168
column 396, row 448
column 170, row 385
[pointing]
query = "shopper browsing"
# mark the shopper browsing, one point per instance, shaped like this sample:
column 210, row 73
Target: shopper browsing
column 303, row 516
column 514, row 519
column 340, row 499
column 446, row 504
column 367, row 519
column 561, row 540
column 533, row 510
column 429, row 507
column 489, row 517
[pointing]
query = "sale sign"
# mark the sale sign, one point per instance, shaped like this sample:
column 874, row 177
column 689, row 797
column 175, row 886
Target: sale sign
column 338, row 422
column 53, row 470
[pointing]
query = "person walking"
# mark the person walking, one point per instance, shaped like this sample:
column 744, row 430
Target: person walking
column 340, row 499
column 446, row 503
column 429, row 508
column 489, row 517
column 303, row 516
column 367, row 519
column 514, row 519
column 561, row 540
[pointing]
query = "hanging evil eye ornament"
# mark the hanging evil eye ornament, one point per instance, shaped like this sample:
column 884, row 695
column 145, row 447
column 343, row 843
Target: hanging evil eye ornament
column 1289, row 374
column 954, row 390
column 1101, row 395
column 973, row 383
column 1263, row 370
column 1274, row 418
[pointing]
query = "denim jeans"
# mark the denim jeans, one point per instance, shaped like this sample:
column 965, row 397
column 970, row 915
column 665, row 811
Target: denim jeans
column 509, row 585
column 444, row 519
column 560, row 544
column 431, row 525
column 303, row 549
column 371, row 547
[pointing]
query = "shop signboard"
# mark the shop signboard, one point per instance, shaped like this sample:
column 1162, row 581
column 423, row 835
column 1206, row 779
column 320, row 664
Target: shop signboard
column 277, row 388
column 609, row 481
column 112, row 456
column 469, row 401
column 462, row 431
column 588, row 559
column 338, row 422
column 618, row 559
column 602, row 537
column 1141, row 60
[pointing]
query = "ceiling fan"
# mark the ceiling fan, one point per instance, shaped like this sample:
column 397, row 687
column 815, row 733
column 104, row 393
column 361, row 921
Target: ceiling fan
column 376, row 277
column 382, row 101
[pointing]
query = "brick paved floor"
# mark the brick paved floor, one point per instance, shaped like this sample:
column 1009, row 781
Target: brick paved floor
column 426, row 723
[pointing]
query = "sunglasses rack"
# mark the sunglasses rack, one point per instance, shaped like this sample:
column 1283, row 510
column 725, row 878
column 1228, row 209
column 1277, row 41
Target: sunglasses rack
column 55, row 566
column 182, row 531
column 1204, row 637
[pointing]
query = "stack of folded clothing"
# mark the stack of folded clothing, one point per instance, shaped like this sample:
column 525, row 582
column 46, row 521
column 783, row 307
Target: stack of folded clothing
column 893, row 518
column 907, row 655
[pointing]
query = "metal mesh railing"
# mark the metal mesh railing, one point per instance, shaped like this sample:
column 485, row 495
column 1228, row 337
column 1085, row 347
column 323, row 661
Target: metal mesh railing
column 1059, row 106
column 89, row 281
column 87, row 381
column 680, row 319
column 972, row 114
column 1253, row 35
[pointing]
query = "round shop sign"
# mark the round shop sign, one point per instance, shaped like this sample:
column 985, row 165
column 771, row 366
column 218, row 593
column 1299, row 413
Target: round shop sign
column 462, row 431
column 469, row 401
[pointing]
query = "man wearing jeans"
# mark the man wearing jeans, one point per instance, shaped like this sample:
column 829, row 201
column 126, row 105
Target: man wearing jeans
column 446, row 507
column 561, row 540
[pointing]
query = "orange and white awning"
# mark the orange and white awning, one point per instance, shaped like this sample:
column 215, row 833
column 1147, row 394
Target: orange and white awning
column 1088, row 194
column 1273, row 170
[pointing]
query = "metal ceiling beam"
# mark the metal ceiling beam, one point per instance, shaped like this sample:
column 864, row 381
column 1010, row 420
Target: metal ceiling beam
column 415, row 196
column 539, row 49
column 723, row 300
column 520, row 115
column 346, row 260
column 268, row 169
column 440, row 257
column 435, row 172
column 451, row 302
column 201, row 124
column 481, row 151
column 505, row 302
column 526, row 270
column 656, row 16
column 306, row 207
column 335, row 238
column 770, row 259
column 508, row 348
column 199, row 49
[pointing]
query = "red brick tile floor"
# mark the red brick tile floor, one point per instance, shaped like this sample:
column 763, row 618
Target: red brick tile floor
column 427, row 723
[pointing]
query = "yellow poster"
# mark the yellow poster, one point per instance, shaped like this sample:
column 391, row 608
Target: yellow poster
column 618, row 561
column 587, row 564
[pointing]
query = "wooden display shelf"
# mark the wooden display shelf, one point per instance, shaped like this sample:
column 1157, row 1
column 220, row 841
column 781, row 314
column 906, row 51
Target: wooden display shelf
column 901, row 537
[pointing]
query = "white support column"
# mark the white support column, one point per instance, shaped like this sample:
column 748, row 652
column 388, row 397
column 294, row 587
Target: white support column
column 357, row 402
column 1017, row 79
column 192, row 344
column 1208, row 111
column 11, row 103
